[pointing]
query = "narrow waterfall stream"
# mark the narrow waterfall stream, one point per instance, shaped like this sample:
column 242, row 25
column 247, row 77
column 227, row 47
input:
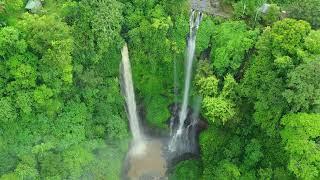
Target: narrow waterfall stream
column 194, row 24
column 195, row 19
column 128, row 90
column 145, row 158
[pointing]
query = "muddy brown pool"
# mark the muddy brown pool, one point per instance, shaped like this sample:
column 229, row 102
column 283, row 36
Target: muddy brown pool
column 150, row 164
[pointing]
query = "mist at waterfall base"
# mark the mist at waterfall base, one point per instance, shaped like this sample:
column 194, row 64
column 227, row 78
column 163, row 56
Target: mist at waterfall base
column 148, row 157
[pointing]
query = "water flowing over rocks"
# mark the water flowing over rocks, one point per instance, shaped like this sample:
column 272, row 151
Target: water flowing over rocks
column 188, row 145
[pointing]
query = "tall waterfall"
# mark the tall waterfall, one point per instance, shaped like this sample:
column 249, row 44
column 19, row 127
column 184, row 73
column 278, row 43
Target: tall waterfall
column 128, row 91
column 194, row 23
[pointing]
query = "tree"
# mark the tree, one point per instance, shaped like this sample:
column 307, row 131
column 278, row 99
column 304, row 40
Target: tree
column 231, row 41
column 218, row 109
column 7, row 111
column 307, row 10
column 253, row 154
column 311, row 43
column 265, row 79
column 272, row 15
column 97, row 30
column 247, row 9
column 301, row 136
column 189, row 169
column 226, row 170
column 303, row 89
column 9, row 10
column 218, row 105
column 205, row 34
column 12, row 6
column 11, row 43
column 75, row 160
column 51, row 41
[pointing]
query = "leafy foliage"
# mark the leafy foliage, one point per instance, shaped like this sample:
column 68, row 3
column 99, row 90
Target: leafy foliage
column 190, row 169
column 304, row 80
column 231, row 42
column 306, row 10
column 62, row 114
column 301, row 136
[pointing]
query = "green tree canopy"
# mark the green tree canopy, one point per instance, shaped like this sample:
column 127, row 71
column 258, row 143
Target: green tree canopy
column 301, row 136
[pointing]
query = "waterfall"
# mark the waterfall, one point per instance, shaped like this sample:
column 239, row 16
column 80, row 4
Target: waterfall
column 194, row 25
column 194, row 22
column 128, row 91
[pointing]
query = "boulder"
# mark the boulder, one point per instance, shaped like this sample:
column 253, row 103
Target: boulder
column 34, row 6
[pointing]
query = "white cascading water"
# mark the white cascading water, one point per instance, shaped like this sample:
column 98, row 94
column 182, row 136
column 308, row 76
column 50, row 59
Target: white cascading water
column 128, row 90
column 194, row 25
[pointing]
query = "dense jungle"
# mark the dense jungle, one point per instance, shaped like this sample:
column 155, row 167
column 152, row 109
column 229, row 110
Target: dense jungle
column 244, row 73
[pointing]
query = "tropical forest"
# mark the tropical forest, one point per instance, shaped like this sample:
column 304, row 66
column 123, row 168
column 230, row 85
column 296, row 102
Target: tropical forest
column 160, row 89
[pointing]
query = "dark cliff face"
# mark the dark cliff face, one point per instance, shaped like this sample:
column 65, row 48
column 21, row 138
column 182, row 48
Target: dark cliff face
column 200, row 124
column 188, row 145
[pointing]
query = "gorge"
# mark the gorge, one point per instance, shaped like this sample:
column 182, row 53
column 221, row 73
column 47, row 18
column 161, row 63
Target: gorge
column 147, row 156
